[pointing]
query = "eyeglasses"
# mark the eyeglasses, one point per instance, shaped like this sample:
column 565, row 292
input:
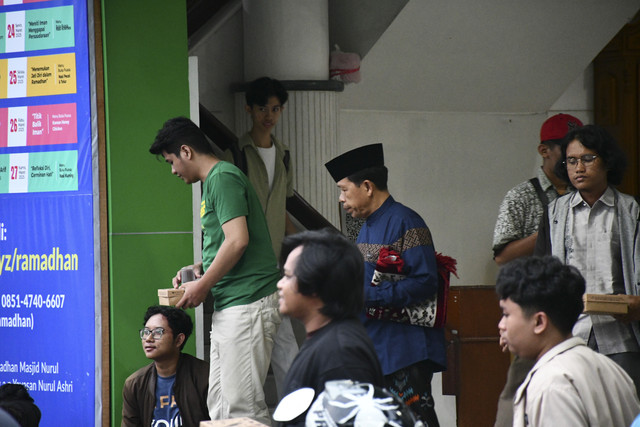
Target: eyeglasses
column 586, row 160
column 155, row 333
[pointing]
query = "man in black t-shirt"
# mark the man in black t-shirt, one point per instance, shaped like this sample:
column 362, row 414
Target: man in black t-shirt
column 322, row 288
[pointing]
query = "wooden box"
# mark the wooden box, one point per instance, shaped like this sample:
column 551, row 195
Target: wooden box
column 236, row 422
column 169, row 296
column 604, row 304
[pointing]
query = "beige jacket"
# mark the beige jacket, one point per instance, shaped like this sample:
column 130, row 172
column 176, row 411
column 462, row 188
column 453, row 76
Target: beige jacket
column 572, row 385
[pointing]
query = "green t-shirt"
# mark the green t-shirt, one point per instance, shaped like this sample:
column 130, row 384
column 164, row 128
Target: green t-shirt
column 227, row 194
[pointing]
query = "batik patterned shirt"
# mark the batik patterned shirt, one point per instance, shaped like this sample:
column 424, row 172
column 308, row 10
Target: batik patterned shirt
column 520, row 212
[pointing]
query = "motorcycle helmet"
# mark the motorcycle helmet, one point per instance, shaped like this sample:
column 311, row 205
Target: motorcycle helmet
column 345, row 403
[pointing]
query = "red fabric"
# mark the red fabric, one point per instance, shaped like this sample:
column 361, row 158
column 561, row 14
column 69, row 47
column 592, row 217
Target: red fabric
column 341, row 71
column 446, row 266
column 389, row 261
column 344, row 66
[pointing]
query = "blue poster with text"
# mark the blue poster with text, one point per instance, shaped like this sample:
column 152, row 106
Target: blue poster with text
column 47, row 246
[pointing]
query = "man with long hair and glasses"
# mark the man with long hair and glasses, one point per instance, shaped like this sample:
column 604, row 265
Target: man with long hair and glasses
column 173, row 389
column 595, row 229
column 516, row 231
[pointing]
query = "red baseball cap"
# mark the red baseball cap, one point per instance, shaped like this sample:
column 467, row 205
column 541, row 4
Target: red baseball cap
column 556, row 127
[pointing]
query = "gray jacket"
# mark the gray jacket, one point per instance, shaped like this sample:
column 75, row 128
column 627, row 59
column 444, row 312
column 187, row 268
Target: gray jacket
column 551, row 234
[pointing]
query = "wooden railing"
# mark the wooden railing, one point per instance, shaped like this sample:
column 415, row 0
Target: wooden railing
column 224, row 140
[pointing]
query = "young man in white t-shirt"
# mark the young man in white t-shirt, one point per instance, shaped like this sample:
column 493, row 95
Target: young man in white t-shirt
column 269, row 169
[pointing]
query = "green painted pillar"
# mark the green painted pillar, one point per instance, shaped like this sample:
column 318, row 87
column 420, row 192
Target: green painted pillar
column 149, row 210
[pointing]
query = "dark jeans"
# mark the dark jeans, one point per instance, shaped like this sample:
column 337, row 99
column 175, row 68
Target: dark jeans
column 413, row 386
column 629, row 361
column 516, row 375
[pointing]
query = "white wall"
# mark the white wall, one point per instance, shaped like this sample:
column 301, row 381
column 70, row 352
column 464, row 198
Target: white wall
column 452, row 168
column 578, row 98
column 491, row 55
column 220, row 64
column 455, row 168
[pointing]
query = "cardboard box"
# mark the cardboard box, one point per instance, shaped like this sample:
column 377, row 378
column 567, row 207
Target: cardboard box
column 169, row 296
column 604, row 304
column 235, row 422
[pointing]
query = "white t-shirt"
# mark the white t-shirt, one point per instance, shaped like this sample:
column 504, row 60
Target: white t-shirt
column 268, row 156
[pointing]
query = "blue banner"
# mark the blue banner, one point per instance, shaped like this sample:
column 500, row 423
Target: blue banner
column 48, row 286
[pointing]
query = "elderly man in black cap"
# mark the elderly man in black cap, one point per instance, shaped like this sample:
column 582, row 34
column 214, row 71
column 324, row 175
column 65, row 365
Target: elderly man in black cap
column 400, row 271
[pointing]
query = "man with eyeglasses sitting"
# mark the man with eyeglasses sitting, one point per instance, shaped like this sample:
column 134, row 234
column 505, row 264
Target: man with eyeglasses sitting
column 171, row 391
column 595, row 228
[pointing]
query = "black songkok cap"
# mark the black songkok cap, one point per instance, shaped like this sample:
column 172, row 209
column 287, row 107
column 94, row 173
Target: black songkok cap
column 355, row 160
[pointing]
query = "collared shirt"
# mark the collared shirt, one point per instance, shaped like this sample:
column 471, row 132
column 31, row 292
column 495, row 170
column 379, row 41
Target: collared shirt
column 553, row 233
column 520, row 212
column 399, row 345
column 592, row 243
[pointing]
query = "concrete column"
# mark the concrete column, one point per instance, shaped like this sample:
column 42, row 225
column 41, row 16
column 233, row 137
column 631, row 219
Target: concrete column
column 289, row 40
column 308, row 125
column 286, row 39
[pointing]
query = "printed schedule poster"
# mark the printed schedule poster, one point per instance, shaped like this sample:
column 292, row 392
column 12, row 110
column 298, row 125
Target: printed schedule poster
column 47, row 226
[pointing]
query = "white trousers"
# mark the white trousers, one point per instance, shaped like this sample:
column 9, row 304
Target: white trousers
column 241, row 342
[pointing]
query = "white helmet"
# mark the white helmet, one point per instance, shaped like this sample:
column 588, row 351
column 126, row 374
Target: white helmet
column 345, row 403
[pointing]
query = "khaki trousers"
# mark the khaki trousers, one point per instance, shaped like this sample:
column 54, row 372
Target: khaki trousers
column 241, row 342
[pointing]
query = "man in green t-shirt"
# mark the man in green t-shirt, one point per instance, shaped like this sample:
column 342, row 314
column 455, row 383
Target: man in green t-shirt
column 238, row 267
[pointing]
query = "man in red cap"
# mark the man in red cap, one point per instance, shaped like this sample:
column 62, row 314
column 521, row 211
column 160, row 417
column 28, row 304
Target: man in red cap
column 521, row 210
column 517, row 229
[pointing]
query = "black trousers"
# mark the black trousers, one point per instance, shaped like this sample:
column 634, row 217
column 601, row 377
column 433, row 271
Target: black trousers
column 629, row 361
column 413, row 386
